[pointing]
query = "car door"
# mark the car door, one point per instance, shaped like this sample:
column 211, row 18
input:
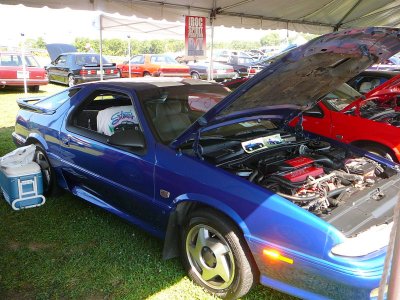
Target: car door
column 318, row 120
column 120, row 177
column 137, row 66
column 57, row 68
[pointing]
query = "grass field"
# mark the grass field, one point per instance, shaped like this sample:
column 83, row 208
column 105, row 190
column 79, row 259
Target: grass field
column 68, row 249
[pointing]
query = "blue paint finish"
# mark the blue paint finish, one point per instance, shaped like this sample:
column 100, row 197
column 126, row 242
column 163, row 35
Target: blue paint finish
column 144, row 187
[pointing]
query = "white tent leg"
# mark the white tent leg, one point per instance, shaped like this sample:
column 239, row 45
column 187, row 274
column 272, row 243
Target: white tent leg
column 211, row 68
column 101, row 46
column 24, row 63
column 129, row 55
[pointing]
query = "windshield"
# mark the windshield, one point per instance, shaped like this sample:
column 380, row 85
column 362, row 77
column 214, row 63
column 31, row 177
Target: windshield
column 171, row 110
column 341, row 97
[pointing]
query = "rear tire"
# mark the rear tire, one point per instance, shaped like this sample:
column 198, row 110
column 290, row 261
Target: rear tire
column 215, row 255
column 71, row 80
column 48, row 175
column 195, row 75
column 33, row 89
column 146, row 74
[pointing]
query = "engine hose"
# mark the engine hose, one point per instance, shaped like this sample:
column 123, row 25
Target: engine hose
column 347, row 176
column 253, row 175
column 296, row 198
column 334, row 193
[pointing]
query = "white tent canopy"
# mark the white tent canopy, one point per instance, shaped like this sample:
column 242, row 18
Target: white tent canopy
column 303, row 16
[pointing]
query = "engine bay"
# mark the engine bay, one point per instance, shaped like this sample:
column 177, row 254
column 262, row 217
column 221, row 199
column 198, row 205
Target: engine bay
column 387, row 112
column 313, row 174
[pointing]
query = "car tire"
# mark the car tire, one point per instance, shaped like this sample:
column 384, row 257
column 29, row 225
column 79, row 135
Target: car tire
column 236, row 76
column 215, row 255
column 34, row 89
column 195, row 75
column 380, row 151
column 146, row 74
column 48, row 175
column 71, row 80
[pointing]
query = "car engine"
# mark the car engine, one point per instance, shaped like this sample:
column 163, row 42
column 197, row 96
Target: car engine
column 387, row 112
column 310, row 173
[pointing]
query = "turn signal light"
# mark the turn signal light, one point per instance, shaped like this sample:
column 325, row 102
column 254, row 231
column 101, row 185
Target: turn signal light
column 274, row 254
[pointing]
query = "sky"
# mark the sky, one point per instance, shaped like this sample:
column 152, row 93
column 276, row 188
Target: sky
column 63, row 25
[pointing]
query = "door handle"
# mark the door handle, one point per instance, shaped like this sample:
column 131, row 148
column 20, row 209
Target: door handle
column 339, row 136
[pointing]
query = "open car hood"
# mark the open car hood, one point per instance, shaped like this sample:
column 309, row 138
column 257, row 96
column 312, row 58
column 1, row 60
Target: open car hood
column 305, row 74
column 55, row 50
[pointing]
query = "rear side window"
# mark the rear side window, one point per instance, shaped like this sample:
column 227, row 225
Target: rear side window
column 10, row 60
column 55, row 101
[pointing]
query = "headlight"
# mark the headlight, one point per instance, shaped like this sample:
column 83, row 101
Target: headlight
column 366, row 242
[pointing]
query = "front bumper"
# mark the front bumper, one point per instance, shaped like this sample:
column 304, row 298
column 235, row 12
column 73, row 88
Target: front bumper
column 313, row 278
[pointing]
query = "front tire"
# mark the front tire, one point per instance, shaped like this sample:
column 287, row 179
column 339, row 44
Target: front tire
column 215, row 255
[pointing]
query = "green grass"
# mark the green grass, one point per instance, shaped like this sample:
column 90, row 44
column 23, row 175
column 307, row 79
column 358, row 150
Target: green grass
column 69, row 249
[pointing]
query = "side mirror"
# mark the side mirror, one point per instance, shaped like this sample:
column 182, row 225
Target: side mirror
column 128, row 138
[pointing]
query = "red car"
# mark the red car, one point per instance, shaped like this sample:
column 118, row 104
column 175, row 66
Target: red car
column 12, row 74
column 371, row 122
column 154, row 65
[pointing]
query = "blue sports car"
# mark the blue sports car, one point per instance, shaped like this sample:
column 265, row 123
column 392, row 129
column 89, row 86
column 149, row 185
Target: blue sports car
column 240, row 195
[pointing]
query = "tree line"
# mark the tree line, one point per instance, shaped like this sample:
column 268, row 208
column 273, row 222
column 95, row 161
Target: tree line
column 119, row 47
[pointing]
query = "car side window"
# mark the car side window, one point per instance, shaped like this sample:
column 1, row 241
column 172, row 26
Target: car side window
column 102, row 114
column 61, row 60
column 315, row 112
column 138, row 59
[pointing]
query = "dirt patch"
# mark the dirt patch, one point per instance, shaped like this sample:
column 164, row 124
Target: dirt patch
column 14, row 245
column 38, row 246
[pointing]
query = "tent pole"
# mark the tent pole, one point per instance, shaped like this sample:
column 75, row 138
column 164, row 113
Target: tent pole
column 24, row 73
column 129, row 55
column 211, row 68
column 101, row 46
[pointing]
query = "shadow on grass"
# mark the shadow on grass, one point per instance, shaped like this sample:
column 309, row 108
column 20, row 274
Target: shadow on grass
column 20, row 90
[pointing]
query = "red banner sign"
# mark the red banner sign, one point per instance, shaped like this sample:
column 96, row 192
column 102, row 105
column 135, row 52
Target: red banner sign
column 195, row 36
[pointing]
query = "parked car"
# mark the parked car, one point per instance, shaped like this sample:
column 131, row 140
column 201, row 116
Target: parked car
column 12, row 73
column 74, row 67
column 345, row 114
column 221, row 72
column 241, row 196
column 241, row 64
column 154, row 65
column 368, row 80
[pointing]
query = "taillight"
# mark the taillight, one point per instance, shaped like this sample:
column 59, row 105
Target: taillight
column 87, row 72
column 252, row 71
